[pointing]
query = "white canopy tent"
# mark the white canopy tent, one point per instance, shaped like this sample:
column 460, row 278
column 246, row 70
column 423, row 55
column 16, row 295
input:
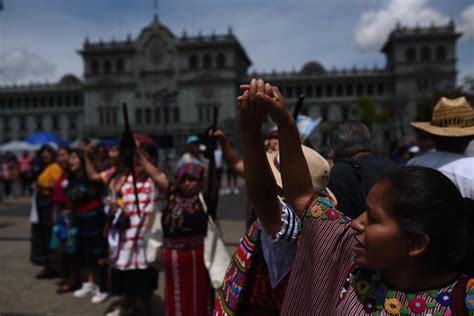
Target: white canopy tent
column 17, row 147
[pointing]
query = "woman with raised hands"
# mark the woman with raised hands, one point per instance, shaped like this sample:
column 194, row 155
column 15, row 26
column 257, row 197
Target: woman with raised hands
column 411, row 252
column 184, row 221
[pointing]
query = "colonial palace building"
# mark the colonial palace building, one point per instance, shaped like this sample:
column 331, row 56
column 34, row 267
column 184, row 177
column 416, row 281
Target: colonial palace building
column 172, row 83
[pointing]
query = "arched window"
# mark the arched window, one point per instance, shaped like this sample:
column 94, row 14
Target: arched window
column 309, row 91
column 157, row 115
column 147, row 116
column 119, row 66
column 22, row 123
column 176, row 114
column 299, row 90
column 425, row 53
column 370, row 89
column 39, row 123
column 345, row 112
column 107, row 67
column 55, row 122
column 167, row 114
column 138, row 116
column 221, row 61
column 440, row 53
column 193, row 62
column 410, row 54
column 207, row 62
column 94, row 67
column 329, row 90
column 72, row 122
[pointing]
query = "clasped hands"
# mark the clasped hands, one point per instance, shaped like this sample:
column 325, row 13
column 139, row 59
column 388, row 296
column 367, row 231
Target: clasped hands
column 258, row 100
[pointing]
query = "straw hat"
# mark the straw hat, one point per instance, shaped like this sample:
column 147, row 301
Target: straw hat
column 318, row 168
column 451, row 117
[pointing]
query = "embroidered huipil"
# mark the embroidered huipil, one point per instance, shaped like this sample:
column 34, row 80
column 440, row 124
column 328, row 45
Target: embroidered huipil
column 324, row 280
column 183, row 217
column 257, row 276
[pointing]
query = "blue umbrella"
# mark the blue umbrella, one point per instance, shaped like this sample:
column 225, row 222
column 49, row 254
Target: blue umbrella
column 41, row 138
column 108, row 141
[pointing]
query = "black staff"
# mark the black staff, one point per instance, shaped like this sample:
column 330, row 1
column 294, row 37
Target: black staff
column 212, row 197
column 298, row 107
column 128, row 147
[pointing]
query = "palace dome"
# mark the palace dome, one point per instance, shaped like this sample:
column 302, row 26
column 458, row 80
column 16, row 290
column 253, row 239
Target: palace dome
column 312, row 68
column 69, row 80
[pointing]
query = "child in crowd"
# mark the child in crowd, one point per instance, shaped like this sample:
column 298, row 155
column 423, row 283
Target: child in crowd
column 87, row 207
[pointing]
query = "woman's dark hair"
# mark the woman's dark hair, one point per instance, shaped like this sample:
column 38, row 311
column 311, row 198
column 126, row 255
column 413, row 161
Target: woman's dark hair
column 65, row 148
column 349, row 138
column 85, row 140
column 424, row 201
column 49, row 149
column 101, row 146
column 79, row 154
column 80, row 189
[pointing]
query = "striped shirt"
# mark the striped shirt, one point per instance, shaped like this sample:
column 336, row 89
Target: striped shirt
column 131, row 243
column 324, row 281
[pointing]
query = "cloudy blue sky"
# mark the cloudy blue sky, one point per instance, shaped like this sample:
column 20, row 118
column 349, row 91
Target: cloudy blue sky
column 39, row 39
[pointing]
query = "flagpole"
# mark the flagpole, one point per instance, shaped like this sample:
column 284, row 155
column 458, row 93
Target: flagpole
column 155, row 9
column 2, row 32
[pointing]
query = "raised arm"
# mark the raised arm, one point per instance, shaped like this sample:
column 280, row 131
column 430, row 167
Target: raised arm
column 230, row 156
column 259, row 181
column 297, row 185
column 153, row 171
column 92, row 174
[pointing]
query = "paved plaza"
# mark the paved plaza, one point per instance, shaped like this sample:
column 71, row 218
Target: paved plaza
column 22, row 294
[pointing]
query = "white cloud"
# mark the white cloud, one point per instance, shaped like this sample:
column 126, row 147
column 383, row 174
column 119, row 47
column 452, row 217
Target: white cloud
column 467, row 23
column 22, row 65
column 374, row 26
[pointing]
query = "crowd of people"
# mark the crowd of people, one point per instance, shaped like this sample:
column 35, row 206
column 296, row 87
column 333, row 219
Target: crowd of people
column 94, row 209
column 17, row 171
column 357, row 235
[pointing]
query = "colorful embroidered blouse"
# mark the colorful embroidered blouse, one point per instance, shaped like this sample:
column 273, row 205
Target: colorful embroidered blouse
column 84, row 195
column 256, row 279
column 246, row 288
column 323, row 280
column 183, row 216
column 114, row 180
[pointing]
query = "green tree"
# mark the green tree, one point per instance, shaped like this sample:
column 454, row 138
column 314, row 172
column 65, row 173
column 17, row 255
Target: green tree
column 367, row 113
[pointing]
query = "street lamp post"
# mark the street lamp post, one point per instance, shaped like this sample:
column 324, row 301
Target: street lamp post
column 164, row 98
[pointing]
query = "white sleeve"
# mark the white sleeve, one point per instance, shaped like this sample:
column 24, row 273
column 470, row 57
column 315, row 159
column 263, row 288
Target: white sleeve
column 291, row 225
column 279, row 252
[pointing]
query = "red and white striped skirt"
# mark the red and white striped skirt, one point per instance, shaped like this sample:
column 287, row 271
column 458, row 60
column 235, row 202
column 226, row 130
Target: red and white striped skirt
column 187, row 286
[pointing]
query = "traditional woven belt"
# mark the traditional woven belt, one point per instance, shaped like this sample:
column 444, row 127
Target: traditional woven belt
column 184, row 243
